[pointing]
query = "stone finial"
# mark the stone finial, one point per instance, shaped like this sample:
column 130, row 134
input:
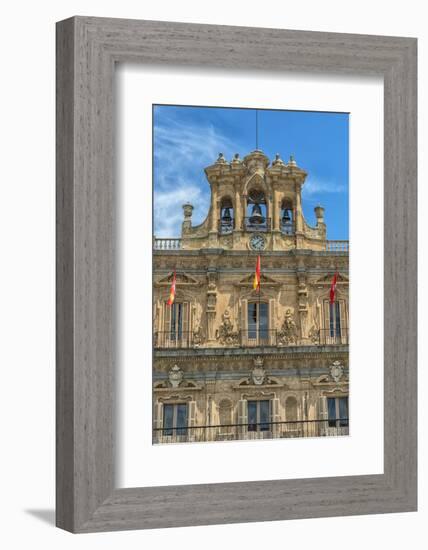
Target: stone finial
column 278, row 160
column 236, row 159
column 292, row 162
column 220, row 159
column 188, row 210
column 319, row 213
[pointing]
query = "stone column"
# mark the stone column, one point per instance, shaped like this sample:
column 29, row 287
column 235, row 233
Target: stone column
column 276, row 210
column 214, row 208
column 238, row 211
column 299, row 215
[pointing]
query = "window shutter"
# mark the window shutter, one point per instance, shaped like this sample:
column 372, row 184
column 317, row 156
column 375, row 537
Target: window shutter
column 271, row 326
column 192, row 413
column 167, row 317
column 244, row 321
column 157, row 421
column 191, row 421
column 242, row 416
column 275, row 416
column 185, row 312
column 343, row 323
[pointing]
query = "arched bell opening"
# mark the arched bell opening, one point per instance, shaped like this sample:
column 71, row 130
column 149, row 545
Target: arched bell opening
column 287, row 217
column 256, row 218
column 227, row 216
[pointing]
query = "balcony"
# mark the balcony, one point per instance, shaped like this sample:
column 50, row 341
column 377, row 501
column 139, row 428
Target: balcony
column 266, row 430
column 166, row 244
column 333, row 337
column 251, row 338
column 174, row 339
column 175, row 243
column 337, row 246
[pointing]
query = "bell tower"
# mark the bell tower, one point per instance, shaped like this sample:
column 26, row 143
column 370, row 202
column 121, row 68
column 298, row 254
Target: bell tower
column 255, row 205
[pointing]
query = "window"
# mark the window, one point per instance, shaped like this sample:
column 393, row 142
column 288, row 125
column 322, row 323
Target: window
column 337, row 411
column 258, row 416
column 334, row 319
column 258, row 321
column 176, row 325
column 175, row 419
column 335, row 322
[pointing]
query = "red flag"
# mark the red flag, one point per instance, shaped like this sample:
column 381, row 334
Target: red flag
column 256, row 283
column 172, row 292
column 333, row 288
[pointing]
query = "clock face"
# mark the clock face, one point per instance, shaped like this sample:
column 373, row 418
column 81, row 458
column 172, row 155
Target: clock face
column 257, row 242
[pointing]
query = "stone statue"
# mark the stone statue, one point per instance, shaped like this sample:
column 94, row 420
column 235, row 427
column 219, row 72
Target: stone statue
column 288, row 333
column 198, row 337
column 225, row 333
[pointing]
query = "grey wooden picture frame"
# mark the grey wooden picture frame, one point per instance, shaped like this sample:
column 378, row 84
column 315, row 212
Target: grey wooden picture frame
column 87, row 51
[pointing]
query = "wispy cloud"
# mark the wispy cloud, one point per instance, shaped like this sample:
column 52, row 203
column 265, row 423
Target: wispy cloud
column 181, row 152
column 315, row 186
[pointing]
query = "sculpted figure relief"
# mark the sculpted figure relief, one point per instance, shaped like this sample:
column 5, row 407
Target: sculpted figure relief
column 288, row 333
column 225, row 333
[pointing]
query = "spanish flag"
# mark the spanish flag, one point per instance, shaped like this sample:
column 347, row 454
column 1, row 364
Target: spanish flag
column 333, row 288
column 172, row 292
column 256, row 283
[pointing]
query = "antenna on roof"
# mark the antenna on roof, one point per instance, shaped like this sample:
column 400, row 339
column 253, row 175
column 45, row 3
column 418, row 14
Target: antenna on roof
column 257, row 129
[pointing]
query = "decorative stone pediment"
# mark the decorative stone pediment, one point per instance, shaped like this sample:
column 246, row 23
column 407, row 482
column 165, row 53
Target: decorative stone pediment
column 248, row 280
column 180, row 278
column 326, row 280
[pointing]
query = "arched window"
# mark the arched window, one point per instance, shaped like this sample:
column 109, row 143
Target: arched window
column 256, row 215
column 287, row 217
column 227, row 217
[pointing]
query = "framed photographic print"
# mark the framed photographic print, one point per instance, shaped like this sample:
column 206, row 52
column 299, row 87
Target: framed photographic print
column 236, row 292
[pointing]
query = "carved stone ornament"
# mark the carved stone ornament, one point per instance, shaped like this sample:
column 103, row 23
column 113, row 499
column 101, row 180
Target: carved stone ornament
column 336, row 371
column 225, row 333
column 314, row 334
column 258, row 374
column 198, row 337
column 288, row 332
column 175, row 376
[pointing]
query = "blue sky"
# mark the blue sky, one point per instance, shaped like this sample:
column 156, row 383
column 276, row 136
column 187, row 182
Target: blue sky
column 187, row 139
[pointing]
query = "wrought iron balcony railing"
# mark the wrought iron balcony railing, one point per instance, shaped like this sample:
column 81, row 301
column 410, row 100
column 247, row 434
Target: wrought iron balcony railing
column 258, row 337
column 250, row 338
column 333, row 337
column 264, row 226
column 174, row 339
column 250, row 431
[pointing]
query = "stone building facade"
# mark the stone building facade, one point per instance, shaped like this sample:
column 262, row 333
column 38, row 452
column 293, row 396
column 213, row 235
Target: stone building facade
column 234, row 363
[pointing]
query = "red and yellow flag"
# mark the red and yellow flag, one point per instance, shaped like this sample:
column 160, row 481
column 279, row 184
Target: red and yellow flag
column 333, row 288
column 172, row 292
column 256, row 283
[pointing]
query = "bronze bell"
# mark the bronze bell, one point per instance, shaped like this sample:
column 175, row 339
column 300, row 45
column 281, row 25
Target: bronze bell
column 256, row 215
column 227, row 218
column 286, row 218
